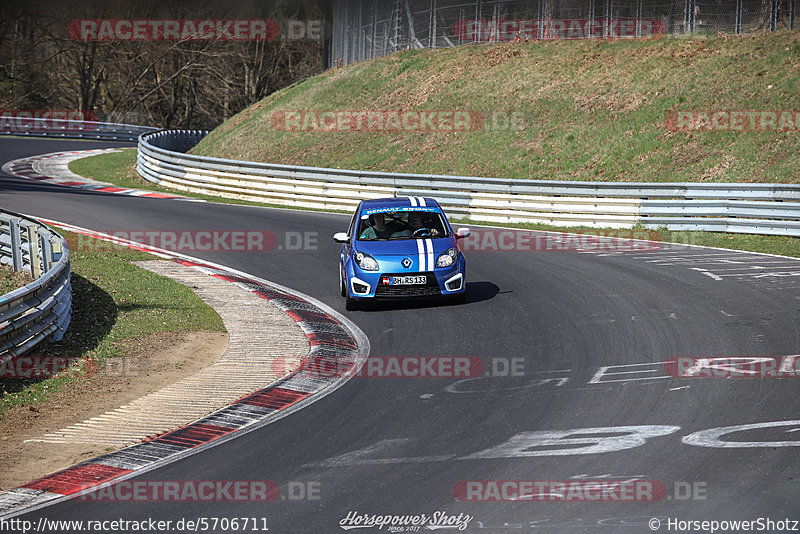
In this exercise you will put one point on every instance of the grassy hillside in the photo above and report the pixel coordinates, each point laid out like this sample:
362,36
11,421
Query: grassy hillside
592,110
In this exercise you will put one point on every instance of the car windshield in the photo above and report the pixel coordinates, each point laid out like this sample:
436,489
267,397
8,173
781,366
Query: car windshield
396,225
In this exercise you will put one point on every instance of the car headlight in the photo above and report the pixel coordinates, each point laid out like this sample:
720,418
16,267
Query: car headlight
446,258
365,261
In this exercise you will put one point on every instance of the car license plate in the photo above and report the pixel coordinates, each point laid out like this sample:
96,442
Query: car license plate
408,280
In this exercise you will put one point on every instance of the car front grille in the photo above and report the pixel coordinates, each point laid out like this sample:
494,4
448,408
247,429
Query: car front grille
430,288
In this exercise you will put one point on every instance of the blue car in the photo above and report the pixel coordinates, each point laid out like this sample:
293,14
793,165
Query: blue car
400,247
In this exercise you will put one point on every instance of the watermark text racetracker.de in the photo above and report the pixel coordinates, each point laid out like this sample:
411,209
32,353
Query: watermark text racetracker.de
498,240
723,120
489,30
194,29
578,489
36,367
198,240
398,121
439,520
734,367
202,491
214,525
413,367
44,120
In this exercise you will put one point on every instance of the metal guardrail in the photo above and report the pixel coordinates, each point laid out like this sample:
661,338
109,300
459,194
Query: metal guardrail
78,129
42,308
752,208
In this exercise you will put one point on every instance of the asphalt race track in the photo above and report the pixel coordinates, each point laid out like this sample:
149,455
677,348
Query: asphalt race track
399,446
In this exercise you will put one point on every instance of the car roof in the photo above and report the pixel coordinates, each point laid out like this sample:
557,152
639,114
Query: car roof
400,202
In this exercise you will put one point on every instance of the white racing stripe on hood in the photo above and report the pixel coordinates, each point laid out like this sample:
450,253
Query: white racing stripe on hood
421,255
429,246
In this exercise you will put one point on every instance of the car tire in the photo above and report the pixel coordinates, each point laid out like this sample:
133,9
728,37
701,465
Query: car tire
351,304
460,299
342,288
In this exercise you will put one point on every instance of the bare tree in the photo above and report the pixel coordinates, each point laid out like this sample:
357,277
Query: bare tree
186,83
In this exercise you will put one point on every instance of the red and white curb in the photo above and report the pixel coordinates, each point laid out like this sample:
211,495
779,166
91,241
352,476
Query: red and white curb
336,344
45,168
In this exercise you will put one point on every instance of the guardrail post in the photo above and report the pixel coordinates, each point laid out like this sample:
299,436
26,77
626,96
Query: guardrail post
57,248
737,26
638,18
541,21
34,251
688,16
773,15
47,251
16,246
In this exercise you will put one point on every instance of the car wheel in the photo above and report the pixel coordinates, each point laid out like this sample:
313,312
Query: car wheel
342,287
350,304
460,299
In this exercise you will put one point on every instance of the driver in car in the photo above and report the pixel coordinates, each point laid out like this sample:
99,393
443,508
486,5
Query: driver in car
377,228
415,224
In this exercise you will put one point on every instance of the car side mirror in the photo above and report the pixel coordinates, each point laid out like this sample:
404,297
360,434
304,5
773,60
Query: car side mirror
462,233
341,237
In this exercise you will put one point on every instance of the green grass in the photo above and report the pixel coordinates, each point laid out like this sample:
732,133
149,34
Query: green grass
593,110
9,280
119,168
773,244
116,305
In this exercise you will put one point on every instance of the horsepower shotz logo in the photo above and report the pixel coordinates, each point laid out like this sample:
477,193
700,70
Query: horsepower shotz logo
439,520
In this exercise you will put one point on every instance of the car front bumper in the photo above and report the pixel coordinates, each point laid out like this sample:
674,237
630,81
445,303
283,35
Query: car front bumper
441,282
